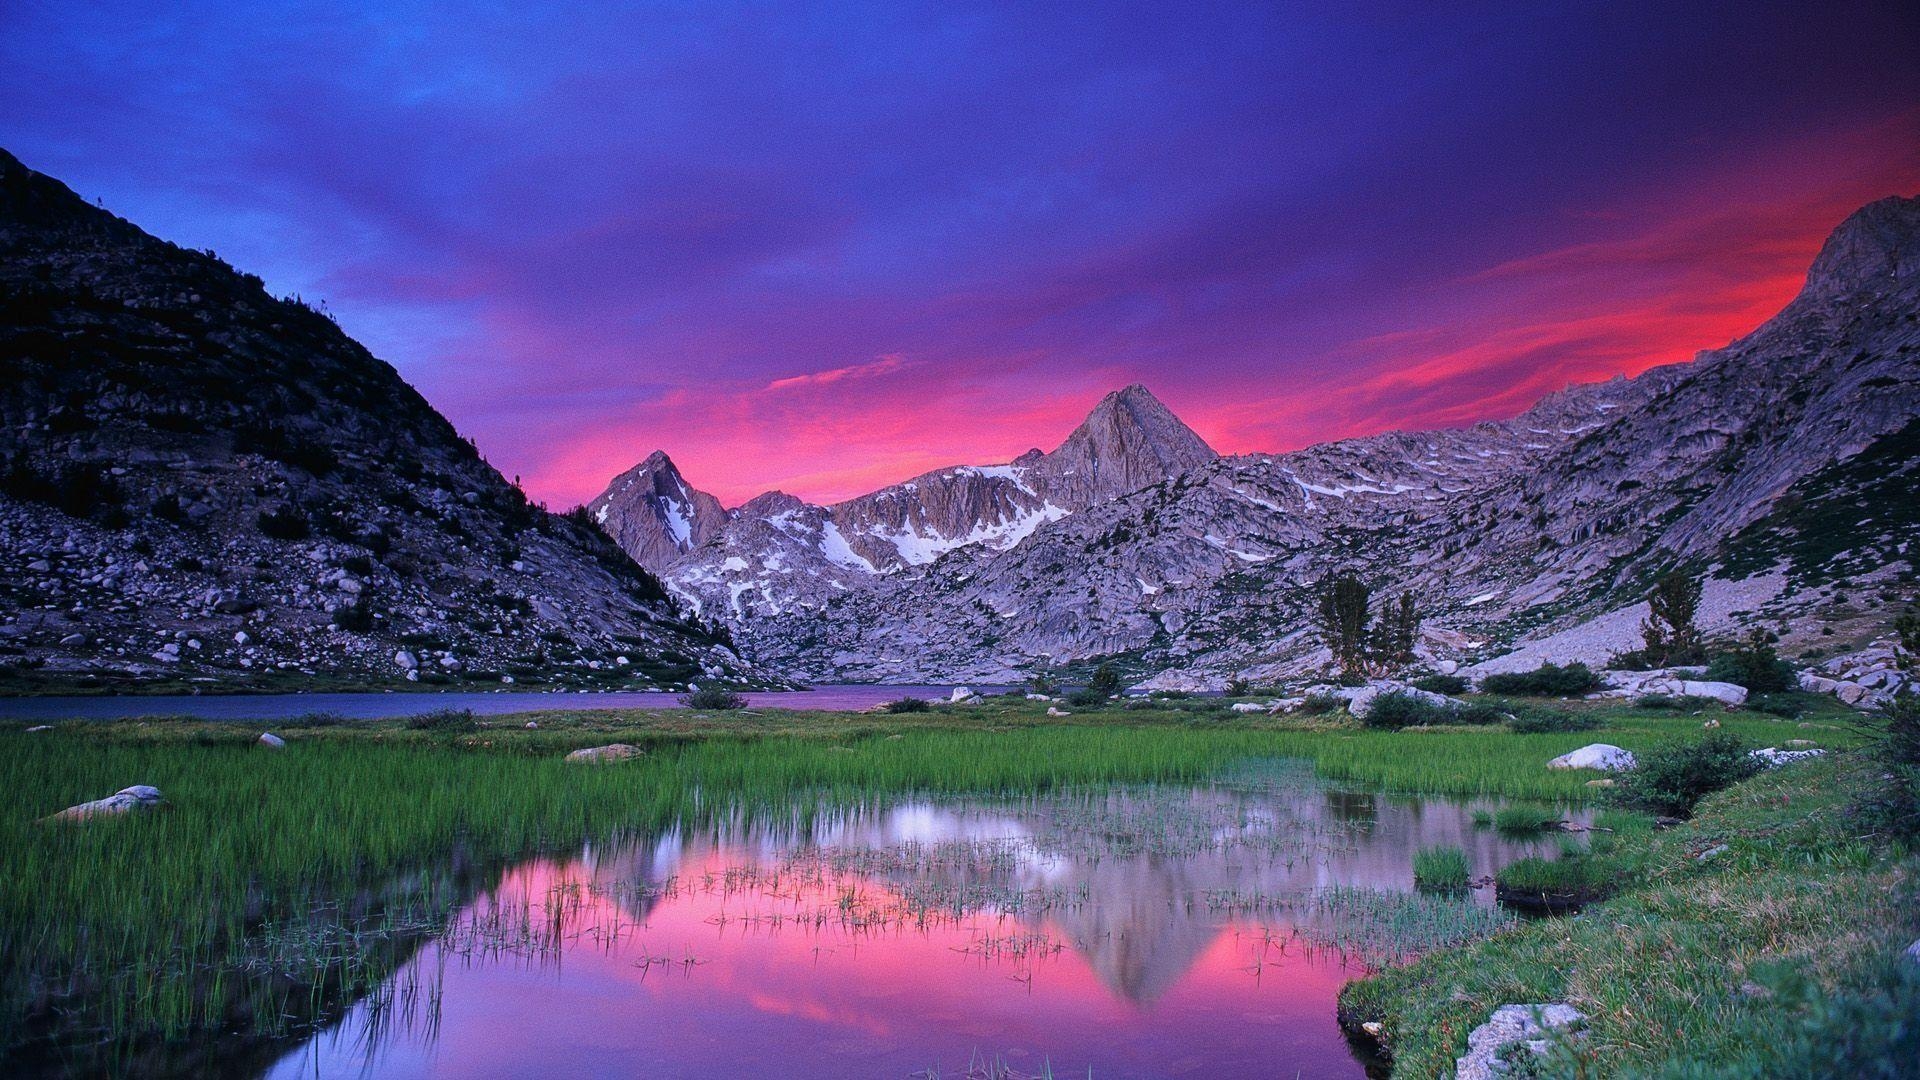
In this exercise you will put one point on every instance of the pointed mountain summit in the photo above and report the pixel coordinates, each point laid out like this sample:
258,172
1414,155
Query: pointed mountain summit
1876,249
1129,441
654,514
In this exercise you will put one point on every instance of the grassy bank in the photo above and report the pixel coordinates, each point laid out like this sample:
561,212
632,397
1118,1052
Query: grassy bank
1761,939
280,884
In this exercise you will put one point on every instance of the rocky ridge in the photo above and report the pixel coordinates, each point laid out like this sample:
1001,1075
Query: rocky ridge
201,482
1782,467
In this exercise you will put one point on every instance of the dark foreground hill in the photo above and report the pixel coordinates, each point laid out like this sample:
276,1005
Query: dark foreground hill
201,481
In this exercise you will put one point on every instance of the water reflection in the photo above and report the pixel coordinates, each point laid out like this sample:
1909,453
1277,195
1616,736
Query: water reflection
1166,931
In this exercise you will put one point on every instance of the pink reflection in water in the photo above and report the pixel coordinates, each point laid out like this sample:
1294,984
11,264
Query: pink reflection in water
703,982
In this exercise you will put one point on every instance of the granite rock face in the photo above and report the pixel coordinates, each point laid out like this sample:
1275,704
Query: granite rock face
202,481
1776,466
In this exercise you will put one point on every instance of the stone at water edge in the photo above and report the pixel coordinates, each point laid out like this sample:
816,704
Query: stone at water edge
962,693
270,741
604,755
1511,1024
126,800
1604,756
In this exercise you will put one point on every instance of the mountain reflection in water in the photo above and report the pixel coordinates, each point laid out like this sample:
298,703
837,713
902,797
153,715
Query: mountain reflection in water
1164,931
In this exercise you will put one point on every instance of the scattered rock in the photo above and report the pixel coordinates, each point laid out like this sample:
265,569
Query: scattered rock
1248,707
126,800
39,727
270,741
533,725
1038,697
406,660
1717,849
1360,702
1512,1024
604,755
1603,756
1053,711
1772,756
962,694
72,640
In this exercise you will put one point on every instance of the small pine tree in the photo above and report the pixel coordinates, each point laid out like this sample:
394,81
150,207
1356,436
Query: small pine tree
1344,616
1397,631
1105,682
1668,630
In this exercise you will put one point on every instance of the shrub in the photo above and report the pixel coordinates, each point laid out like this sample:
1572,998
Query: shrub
356,617
1396,710
1753,664
713,697
1441,684
1442,869
1671,779
1479,713
443,720
908,705
1547,680
285,523
1542,721
1320,704
1237,687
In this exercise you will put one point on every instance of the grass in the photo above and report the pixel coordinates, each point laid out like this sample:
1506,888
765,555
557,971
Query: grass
1772,957
1525,819
281,884
1442,869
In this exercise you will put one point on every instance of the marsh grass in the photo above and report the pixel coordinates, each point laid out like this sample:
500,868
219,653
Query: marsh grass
279,885
1442,869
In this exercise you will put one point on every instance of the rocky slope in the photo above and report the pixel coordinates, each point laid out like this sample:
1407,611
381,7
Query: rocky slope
200,481
778,557
1783,466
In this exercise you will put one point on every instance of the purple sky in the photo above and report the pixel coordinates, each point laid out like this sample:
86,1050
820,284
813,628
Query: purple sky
822,251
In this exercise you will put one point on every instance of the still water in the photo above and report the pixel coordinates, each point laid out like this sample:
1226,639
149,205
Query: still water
388,706
1139,932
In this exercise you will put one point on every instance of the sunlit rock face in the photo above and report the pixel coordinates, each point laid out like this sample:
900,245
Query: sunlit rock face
778,557
203,480
1778,464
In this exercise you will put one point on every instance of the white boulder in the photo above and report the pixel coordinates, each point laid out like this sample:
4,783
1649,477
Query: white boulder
1772,756
126,800
1603,756
1053,711
1248,707
1360,702
270,741
606,755
962,693
1532,1026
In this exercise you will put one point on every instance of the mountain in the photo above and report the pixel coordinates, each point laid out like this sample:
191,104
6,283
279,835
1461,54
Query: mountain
201,481
1782,468
776,555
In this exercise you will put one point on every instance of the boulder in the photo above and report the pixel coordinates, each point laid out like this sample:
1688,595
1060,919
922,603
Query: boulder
962,694
124,801
1052,711
1817,684
606,755
406,660
1532,1026
1360,702
1038,697
1771,756
1446,667
1850,692
1724,692
39,727
1248,707
270,741
1603,756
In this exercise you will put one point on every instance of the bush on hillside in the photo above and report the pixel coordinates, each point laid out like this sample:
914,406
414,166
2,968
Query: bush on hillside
713,697
1671,779
1753,664
1396,710
908,705
1543,721
1547,680
1441,684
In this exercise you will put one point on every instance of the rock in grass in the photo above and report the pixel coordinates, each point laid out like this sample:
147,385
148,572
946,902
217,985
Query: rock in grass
1772,756
1531,1026
39,727
1248,707
124,801
1053,711
270,741
962,694
1603,756
1360,701
606,755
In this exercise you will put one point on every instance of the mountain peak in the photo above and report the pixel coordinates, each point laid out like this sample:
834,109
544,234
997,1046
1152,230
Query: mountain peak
654,514
1876,248
1130,440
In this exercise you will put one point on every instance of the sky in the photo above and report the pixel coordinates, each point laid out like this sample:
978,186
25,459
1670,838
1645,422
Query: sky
824,247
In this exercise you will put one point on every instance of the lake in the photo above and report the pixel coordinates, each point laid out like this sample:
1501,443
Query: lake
370,706
1143,931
